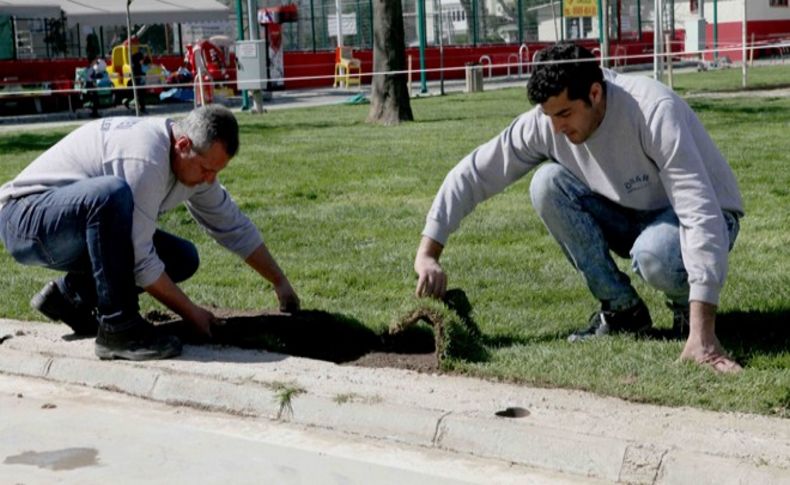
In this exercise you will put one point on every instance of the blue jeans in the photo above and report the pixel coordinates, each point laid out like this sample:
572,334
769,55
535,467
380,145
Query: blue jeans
85,229
589,227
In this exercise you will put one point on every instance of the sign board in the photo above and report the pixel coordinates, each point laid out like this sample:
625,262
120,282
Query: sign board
247,50
193,32
349,24
580,8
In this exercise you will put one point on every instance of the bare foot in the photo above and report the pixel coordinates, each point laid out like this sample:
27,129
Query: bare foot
710,356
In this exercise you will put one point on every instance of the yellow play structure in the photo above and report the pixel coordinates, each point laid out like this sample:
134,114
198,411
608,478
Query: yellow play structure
120,71
348,69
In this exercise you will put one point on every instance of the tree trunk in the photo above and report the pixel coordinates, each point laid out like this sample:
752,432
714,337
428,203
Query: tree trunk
390,95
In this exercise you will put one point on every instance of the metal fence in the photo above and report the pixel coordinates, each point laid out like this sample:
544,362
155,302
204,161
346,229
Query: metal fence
462,22
449,22
452,22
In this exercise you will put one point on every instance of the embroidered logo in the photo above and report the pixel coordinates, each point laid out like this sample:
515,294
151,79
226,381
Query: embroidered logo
636,183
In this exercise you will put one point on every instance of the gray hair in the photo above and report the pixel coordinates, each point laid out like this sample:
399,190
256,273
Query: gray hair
207,125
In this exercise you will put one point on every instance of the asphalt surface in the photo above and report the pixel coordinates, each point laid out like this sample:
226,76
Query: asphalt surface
60,433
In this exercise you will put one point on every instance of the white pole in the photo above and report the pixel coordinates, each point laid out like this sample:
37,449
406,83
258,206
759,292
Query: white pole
554,17
658,34
743,48
129,52
440,8
201,90
252,19
339,13
605,35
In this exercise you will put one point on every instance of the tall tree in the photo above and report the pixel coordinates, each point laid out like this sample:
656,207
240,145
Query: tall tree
390,102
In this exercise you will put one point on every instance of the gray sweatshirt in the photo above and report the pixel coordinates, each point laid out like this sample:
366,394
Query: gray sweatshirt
138,151
650,152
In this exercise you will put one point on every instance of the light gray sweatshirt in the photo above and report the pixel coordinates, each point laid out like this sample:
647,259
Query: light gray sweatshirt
649,152
138,151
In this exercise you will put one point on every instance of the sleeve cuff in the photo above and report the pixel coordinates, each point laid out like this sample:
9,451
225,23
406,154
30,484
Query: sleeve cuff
706,294
149,277
245,251
434,230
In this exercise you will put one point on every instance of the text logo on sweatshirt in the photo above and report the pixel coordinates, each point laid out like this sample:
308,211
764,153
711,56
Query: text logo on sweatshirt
636,183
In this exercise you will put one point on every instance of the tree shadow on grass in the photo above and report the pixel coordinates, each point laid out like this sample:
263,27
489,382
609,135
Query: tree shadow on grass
778,112
752,334
255,128
745,335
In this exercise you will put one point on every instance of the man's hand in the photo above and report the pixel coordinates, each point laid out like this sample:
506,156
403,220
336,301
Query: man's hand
431,278
289,300
201,320
164,290
702,345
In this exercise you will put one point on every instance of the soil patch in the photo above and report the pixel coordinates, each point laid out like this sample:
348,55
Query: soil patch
425,363
423,334
313,334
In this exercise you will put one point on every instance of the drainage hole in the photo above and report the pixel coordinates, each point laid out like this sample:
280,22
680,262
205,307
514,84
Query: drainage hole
513,412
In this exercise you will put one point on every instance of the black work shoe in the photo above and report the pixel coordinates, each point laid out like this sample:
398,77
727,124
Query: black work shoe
680,321
141,342
56,306
633,320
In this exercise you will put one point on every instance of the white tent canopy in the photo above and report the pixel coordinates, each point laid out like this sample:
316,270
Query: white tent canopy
30,8
113,12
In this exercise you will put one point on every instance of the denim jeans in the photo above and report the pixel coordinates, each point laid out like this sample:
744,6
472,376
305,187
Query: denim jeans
85,229
589,227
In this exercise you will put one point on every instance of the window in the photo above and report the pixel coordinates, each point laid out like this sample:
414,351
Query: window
778,3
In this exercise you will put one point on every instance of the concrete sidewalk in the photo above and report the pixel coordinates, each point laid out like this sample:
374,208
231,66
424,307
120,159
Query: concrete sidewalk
559,431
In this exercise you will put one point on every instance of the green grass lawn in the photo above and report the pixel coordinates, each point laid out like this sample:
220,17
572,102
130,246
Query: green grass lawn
341,205
731,79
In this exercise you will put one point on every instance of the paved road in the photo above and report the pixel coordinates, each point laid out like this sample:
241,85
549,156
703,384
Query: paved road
55,433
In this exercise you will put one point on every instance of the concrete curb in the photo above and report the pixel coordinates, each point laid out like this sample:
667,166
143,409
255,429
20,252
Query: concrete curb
600,438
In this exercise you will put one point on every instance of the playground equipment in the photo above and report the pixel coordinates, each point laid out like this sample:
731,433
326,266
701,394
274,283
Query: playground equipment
214,58
348,69
212,63
120,71
94,85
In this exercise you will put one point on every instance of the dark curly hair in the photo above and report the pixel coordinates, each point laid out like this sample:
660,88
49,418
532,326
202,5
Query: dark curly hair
552,78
